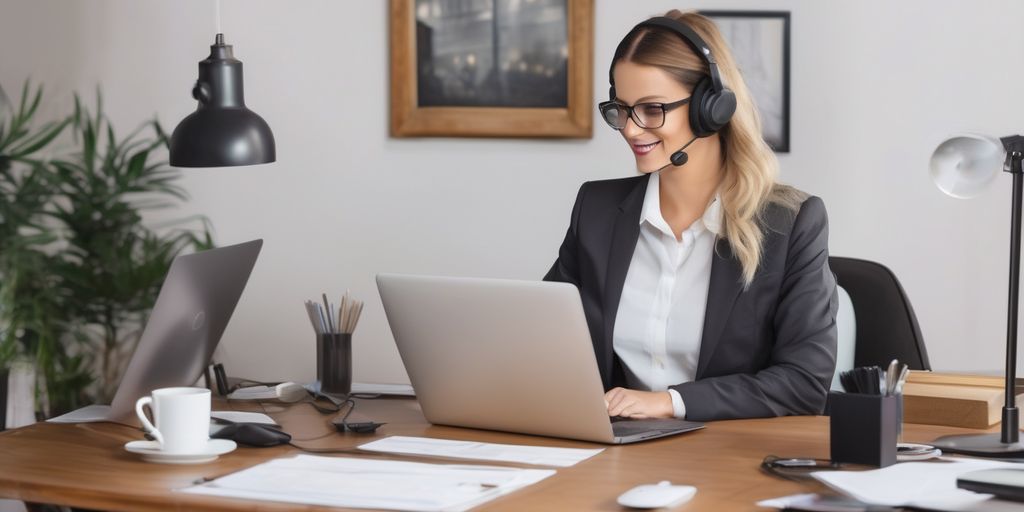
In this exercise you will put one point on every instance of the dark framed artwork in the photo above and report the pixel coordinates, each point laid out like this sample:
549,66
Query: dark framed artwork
492,68
760,43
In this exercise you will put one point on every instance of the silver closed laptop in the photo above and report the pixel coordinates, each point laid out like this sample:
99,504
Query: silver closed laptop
191,312
505,355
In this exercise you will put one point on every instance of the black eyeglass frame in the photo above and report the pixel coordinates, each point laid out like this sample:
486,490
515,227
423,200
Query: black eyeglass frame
631,111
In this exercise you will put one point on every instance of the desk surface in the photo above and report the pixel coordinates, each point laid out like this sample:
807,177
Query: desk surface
86,465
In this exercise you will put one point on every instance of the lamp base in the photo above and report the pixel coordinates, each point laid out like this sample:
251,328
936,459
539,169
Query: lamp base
979,445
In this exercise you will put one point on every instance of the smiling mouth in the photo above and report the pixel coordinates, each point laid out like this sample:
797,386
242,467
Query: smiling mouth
643,149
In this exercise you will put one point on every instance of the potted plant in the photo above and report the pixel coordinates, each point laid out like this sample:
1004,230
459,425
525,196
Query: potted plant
86,268
113,264
27,303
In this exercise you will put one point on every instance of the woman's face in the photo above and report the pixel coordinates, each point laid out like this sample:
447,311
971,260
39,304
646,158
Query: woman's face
652,147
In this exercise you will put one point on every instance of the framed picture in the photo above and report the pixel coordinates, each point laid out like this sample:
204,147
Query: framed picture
760,42
492,68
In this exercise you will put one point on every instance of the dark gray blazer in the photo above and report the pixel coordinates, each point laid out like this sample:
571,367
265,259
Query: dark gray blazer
769,350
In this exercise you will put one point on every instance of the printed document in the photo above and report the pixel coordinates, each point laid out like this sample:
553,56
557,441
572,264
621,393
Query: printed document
365,483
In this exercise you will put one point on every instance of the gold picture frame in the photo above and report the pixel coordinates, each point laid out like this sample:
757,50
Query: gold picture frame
574,119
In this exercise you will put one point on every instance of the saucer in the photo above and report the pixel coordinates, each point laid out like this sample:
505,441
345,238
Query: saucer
151,452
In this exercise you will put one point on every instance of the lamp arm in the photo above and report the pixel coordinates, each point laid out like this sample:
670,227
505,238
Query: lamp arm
1010,432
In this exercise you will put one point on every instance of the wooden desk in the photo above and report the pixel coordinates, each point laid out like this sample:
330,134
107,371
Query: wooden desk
87,466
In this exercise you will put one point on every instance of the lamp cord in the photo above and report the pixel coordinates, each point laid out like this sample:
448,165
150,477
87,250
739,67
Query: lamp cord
216,16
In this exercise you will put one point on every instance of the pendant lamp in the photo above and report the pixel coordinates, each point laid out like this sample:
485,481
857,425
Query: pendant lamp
222,131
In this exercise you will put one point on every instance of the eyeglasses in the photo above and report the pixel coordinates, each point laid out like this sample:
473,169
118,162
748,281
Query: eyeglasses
795,469
645,115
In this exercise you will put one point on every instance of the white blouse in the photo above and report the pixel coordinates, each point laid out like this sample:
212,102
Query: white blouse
660,318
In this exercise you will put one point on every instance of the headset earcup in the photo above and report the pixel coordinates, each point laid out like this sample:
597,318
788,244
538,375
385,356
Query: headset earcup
698,100
710,111
721,107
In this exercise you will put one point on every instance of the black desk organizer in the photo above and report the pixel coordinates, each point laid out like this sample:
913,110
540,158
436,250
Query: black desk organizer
334,363
863,428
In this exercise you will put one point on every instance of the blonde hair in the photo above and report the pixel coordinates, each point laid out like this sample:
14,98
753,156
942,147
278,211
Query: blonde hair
750,168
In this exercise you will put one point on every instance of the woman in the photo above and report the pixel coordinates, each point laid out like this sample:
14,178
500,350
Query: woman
705,283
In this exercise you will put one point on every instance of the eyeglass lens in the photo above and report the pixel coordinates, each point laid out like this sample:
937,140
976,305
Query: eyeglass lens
646,115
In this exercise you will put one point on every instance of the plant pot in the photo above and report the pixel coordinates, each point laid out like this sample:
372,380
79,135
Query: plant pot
21,389
3,399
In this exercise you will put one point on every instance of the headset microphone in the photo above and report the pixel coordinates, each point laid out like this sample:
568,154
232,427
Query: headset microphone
680,157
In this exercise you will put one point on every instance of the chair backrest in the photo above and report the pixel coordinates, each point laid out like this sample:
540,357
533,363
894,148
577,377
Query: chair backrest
886,327
846,325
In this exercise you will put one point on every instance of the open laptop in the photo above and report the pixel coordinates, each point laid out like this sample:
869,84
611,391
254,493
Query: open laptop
190,315
505,355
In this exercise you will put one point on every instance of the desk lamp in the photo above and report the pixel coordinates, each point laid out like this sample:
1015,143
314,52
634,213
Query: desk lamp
962,167
222,131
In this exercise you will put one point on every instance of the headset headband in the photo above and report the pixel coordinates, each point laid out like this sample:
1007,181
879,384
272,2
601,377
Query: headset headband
689,35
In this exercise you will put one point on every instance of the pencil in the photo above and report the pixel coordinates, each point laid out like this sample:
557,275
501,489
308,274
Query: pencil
343,313
359,311
330,322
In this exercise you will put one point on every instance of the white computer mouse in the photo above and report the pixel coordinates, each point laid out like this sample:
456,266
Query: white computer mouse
664,494
290,392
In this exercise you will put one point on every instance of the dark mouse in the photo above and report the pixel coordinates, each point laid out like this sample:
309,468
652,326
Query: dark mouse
253,434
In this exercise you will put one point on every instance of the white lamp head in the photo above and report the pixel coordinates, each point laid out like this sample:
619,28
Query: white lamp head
963,166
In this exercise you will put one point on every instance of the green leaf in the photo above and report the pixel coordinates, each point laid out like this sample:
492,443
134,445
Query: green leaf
38,141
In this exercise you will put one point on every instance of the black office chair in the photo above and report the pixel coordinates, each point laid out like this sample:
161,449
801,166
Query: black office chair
886,325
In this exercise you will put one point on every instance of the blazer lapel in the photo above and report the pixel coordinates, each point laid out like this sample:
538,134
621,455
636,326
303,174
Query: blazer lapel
724,286
624,237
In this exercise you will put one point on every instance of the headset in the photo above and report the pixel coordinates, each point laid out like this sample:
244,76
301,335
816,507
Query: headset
711,103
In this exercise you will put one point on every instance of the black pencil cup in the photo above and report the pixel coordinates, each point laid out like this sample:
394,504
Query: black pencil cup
334,363
863,428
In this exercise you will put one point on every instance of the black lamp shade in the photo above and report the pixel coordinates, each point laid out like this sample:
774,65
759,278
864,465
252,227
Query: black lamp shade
222,131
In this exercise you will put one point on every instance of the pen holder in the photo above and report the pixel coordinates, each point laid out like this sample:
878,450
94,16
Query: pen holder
334,363
863,428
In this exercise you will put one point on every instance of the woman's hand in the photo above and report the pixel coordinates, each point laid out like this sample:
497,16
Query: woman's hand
639,404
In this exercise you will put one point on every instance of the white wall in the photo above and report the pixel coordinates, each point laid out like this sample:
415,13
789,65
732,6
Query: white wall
875,86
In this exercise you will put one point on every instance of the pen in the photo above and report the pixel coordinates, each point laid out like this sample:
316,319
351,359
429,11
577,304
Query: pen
904,373
330,312
323,321
330,321
313,317
890,377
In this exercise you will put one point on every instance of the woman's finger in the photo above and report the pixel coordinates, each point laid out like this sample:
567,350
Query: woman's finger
622,405
613,398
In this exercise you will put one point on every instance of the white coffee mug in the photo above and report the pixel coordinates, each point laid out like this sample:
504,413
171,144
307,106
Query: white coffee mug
182,417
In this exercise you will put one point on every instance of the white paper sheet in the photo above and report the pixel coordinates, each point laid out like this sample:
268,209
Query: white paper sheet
920,484
540,455
814,502
365,483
